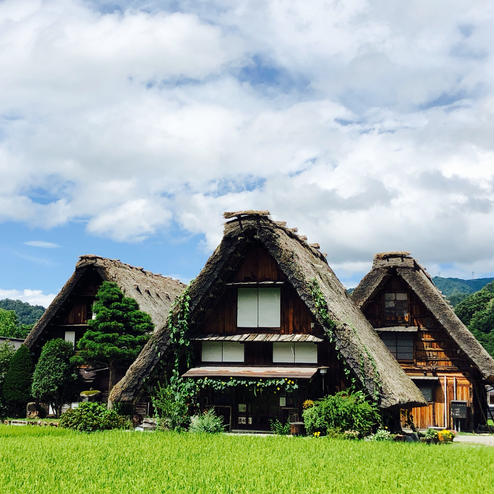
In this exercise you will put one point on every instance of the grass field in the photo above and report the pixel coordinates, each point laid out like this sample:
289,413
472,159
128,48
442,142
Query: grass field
52,461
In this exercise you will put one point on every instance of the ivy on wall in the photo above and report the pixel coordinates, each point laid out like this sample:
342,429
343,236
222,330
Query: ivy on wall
254,385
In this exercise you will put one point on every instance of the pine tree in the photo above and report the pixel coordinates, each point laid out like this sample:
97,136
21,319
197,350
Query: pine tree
17,385
118,332
54,377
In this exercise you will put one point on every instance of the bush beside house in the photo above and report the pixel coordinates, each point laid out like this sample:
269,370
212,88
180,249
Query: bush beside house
17,385
55,377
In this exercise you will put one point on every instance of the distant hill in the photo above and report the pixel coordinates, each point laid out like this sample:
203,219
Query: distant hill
27,314
457,289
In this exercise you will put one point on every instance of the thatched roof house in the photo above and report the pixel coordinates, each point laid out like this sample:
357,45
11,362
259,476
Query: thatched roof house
71,308
301,264
400,264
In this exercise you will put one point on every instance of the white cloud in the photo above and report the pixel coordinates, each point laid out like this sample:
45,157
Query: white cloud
366,124
33,297
42,244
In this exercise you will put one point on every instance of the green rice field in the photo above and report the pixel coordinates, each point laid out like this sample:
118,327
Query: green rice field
57,461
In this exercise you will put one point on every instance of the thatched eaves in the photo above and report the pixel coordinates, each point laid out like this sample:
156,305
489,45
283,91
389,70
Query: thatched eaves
154,293
388,264
301,263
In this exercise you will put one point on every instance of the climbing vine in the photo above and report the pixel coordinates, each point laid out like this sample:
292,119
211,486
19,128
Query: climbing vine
254,385
178,327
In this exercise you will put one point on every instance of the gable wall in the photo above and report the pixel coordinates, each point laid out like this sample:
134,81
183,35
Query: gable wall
74,312
259,266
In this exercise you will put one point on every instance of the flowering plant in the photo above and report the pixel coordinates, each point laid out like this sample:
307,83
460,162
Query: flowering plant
446,435
307,404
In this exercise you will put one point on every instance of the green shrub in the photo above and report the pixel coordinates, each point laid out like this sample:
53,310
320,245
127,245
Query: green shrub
171,408
206,422
341,412
17,384
55,376
431,435
91,416
381,435
279,427
6,354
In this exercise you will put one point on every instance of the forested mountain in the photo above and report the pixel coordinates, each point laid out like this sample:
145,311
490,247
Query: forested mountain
457,289
17,318
477,313
26,313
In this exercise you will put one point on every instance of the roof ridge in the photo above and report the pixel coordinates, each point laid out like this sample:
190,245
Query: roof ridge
95,258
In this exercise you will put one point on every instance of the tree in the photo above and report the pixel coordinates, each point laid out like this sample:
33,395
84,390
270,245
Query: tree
10,326
54,376
6,354
17,385
118,332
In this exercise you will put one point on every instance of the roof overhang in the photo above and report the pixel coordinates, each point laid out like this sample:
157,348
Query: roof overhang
263,372
398,329
423,378
260,337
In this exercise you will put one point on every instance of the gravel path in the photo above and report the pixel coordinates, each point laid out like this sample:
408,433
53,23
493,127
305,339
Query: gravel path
485,439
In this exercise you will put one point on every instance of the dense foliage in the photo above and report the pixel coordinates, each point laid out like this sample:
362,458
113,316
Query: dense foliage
92,416
341,412
118,332
55,376
477,313
207,422
26,313
17,384
280,428
49,460
171,405
6,353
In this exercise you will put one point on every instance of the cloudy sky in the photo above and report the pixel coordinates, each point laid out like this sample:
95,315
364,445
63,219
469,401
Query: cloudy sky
127,128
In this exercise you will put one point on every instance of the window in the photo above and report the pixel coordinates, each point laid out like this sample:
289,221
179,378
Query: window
491,397
396,305
222,351
70,337
427,389
295,353
399,344
259,307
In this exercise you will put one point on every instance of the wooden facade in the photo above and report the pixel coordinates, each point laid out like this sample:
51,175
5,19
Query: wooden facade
437,366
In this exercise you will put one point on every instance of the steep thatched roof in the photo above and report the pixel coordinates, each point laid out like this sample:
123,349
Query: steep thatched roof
154,293
386,265
301,263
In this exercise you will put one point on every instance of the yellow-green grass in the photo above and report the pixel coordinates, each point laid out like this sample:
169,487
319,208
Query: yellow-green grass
48,460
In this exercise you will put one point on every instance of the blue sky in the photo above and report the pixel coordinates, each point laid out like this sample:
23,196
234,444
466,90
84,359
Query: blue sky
127,128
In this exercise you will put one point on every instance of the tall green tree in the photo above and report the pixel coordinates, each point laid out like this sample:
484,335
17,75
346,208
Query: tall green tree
117,333
6,354
55,376
17,385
